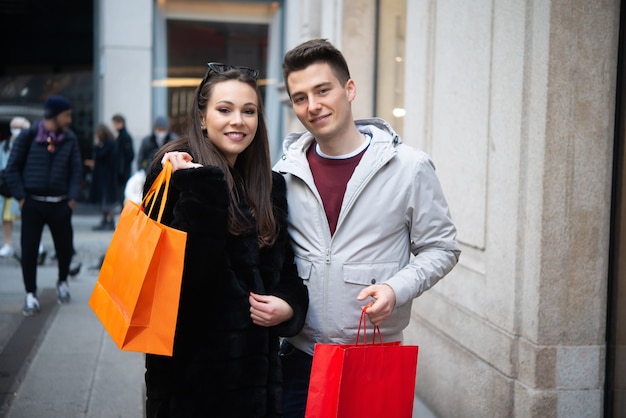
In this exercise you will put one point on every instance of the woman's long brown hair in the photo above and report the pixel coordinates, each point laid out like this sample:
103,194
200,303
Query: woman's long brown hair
253,165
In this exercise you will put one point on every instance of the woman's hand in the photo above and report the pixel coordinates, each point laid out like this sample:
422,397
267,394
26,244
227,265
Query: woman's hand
179,160
267,310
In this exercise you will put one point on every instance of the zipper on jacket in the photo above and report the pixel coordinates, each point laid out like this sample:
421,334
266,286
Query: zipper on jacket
364,183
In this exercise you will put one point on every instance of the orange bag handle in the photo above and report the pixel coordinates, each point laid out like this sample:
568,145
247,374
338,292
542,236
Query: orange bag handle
363,321
164,177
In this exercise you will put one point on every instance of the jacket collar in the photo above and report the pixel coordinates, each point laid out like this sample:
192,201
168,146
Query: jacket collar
378,128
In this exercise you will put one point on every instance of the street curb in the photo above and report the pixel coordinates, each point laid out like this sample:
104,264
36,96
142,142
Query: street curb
17,354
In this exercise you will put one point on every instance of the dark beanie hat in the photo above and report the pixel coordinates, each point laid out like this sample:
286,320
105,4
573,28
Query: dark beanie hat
55,105
161,122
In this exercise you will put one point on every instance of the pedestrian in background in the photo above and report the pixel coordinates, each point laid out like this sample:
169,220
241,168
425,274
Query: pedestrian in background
104,190
126,153
369,223
44,174
9,207
150,144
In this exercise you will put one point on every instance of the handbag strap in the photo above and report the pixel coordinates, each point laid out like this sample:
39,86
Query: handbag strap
363,321
163,178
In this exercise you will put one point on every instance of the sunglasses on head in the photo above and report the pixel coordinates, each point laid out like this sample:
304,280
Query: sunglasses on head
219,68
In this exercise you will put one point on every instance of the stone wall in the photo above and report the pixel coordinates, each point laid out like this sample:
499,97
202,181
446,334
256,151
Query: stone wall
123,64
515,102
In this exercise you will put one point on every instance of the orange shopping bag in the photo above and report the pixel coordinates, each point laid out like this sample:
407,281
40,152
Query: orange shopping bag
137,292
362,380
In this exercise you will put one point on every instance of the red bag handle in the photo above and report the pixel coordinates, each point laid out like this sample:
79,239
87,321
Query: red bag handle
163,178
363,321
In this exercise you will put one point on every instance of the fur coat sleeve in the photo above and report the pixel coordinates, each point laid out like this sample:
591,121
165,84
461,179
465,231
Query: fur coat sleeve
288,286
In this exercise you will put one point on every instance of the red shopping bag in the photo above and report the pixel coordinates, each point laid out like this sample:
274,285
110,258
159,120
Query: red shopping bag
137,292
362,380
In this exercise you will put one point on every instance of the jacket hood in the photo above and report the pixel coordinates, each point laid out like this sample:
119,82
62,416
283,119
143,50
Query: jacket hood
302,140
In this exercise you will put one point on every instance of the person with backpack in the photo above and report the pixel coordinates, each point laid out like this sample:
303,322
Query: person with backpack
44,173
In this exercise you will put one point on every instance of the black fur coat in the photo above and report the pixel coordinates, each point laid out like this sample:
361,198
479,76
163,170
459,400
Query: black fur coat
223,365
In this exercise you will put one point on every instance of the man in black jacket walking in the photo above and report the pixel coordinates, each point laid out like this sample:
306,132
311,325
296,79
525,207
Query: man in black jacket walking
44,173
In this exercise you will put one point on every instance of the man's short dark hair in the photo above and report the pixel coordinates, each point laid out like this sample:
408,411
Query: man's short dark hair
118,118
311,52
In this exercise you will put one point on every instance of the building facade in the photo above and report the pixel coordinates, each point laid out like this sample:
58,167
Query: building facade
516,103
519,103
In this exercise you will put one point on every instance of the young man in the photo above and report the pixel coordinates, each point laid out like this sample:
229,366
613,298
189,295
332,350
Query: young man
44,174
360,204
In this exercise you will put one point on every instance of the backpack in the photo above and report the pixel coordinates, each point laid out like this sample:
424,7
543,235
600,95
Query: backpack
4,186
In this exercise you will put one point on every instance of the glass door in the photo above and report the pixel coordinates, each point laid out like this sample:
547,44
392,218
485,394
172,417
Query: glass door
188,34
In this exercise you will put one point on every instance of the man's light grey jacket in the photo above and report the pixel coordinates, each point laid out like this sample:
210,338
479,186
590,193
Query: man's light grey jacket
394,228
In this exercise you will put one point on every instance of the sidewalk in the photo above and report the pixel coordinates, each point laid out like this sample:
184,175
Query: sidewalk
74,368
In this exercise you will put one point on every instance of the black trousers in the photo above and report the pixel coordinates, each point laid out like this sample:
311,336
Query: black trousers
296,366
58,217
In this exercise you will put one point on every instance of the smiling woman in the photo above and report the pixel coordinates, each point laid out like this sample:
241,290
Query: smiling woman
234,210
231,118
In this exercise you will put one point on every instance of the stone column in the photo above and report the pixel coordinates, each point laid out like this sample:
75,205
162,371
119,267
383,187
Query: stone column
124,64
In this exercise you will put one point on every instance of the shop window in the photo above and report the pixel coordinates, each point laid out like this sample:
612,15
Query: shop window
391,57
191,44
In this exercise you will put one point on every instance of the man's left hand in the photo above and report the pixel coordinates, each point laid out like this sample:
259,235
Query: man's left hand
381,307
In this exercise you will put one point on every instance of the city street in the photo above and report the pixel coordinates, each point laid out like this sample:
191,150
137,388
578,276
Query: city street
62,363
